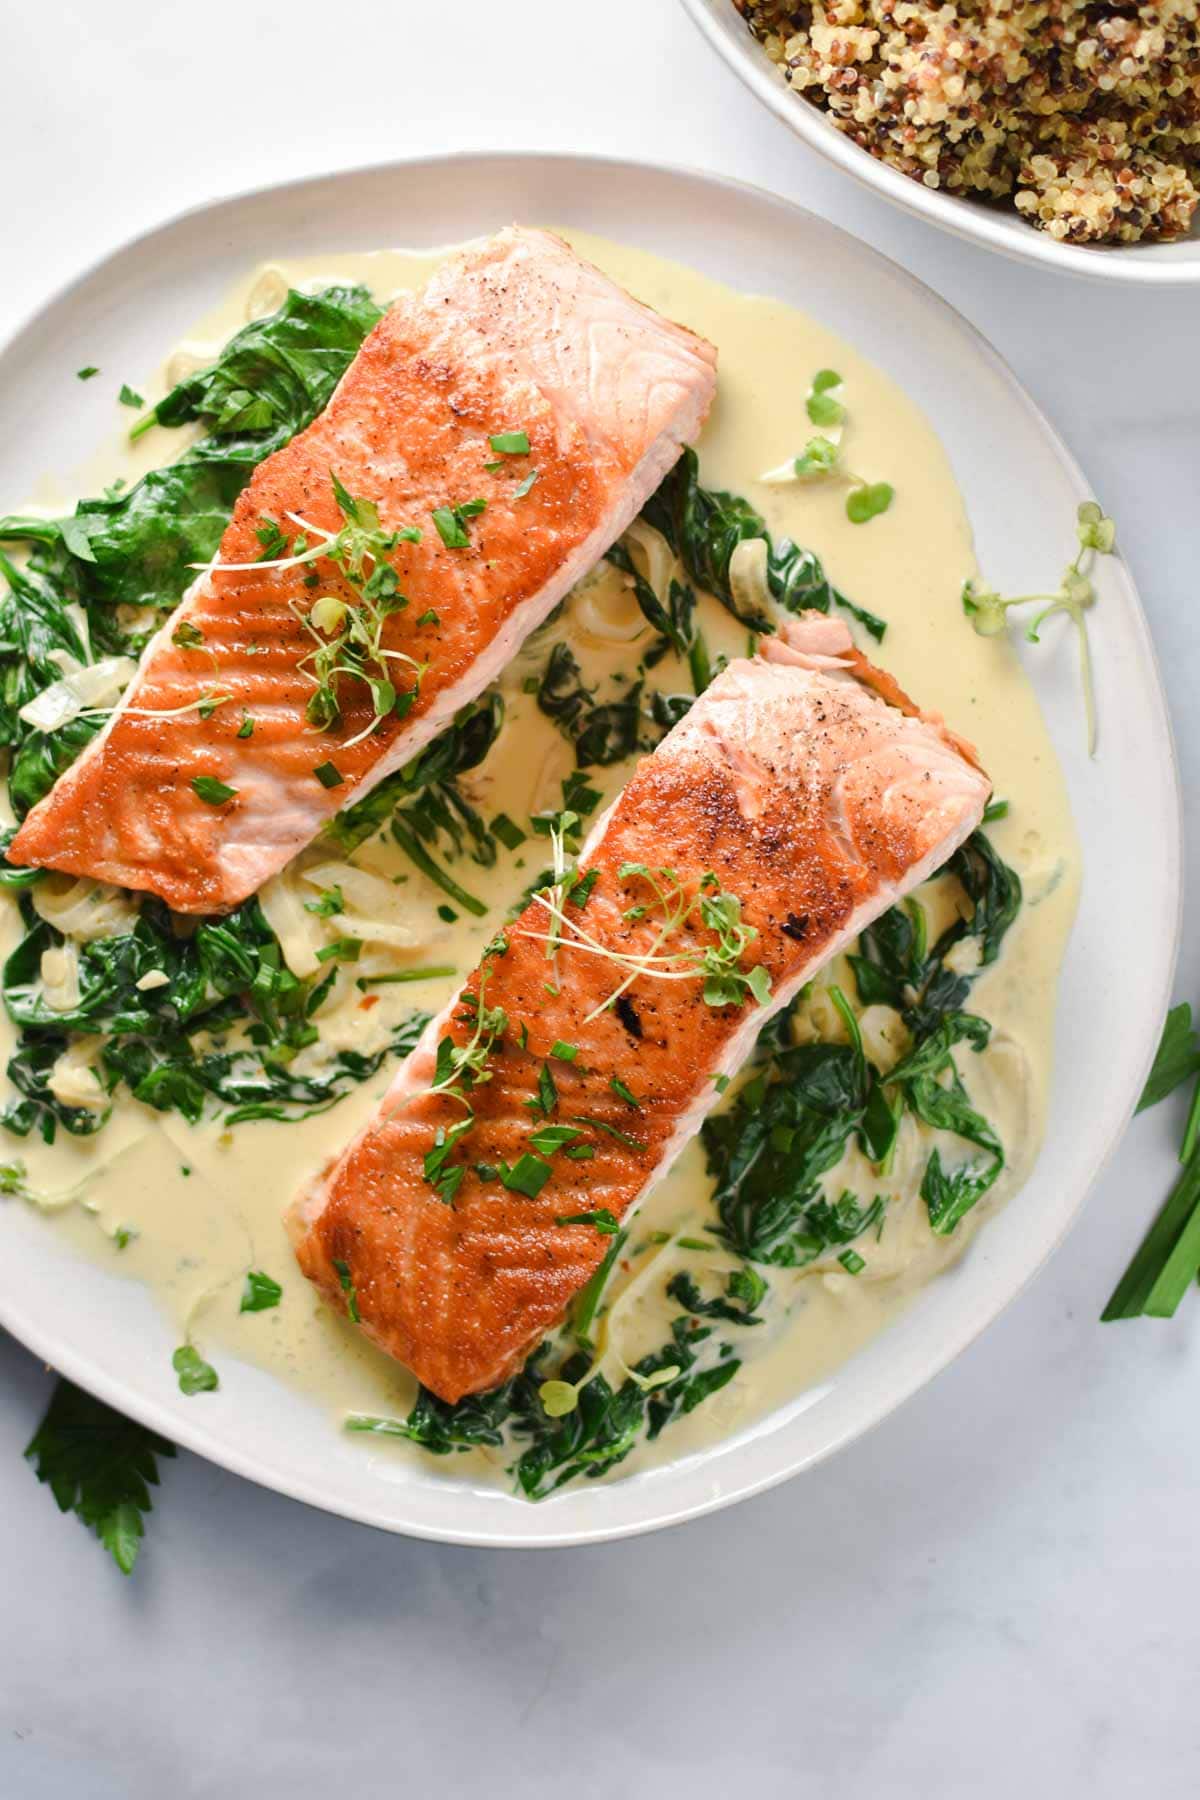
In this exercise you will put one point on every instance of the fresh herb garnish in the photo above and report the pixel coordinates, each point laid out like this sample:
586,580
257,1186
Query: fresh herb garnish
128,397
260,1293
195,1375
329,775
988,612
211,790
510,443
346,1283
451,522
100,1466
605,1222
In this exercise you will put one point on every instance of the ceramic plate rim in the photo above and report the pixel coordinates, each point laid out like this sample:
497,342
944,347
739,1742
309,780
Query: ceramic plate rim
1142,265
75,1360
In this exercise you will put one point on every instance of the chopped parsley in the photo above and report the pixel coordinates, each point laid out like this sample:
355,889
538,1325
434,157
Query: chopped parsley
212,791
260,1293
345,1281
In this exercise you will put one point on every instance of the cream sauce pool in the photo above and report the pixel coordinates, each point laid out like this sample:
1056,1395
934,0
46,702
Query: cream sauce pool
204,1204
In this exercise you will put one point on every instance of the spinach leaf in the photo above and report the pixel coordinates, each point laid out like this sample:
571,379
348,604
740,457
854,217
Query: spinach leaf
768,1151
228,973
433,775
136,547
611,731
277,373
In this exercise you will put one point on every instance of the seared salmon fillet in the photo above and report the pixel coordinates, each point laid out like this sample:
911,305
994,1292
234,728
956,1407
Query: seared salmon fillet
803,785
514,339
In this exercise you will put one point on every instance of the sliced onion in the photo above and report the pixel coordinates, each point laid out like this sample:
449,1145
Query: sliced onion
99,684
84,909
748,575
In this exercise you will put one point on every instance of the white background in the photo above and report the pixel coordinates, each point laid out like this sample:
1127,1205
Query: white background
996,1592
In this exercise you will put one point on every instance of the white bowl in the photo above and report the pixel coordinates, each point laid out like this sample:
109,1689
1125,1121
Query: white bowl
107,1334
1000,229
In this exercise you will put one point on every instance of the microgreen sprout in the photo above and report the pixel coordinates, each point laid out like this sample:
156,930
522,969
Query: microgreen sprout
673,908
347,632
821,457
988,611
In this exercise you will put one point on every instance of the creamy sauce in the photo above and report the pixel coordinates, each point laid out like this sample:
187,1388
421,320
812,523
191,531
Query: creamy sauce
205,1204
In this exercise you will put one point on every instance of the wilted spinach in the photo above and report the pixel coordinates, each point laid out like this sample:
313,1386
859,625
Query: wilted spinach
227,974
598,1434
794,1122
137,547
704,527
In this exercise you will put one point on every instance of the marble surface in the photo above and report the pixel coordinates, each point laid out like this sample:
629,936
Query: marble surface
996,1590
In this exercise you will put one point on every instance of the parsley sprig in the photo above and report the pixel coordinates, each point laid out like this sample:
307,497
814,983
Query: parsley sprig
100,1466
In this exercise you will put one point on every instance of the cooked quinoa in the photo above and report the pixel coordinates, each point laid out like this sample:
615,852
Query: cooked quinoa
1085,116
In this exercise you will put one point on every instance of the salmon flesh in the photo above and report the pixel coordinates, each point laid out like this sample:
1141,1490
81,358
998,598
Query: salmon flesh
516,338
803,784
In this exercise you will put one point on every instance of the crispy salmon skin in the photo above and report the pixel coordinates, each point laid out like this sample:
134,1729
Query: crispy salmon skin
515,338
802,794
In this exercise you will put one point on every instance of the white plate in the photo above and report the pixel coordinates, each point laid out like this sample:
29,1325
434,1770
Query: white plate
107,1334
997,227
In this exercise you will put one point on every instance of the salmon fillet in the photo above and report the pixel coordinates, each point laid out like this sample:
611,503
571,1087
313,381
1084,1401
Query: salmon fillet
516,334
805,784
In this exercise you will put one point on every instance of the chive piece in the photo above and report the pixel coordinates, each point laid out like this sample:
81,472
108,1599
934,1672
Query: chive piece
852,1262
493,468
246,728
417,854
187,636
564,1052
623,1093
86,374
995,809
523,487
433,972
622,1137
720,1082
429,617
510,443
212,791
691,1243
604,1221
528,1175
341,950
1133,1291
579,1152
128,397
447,913
348,1288
509,834
329,775
549,1138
